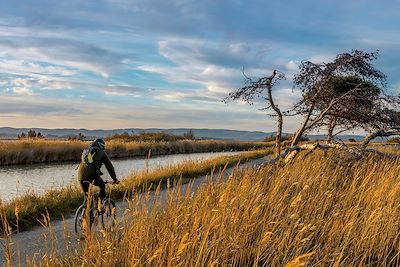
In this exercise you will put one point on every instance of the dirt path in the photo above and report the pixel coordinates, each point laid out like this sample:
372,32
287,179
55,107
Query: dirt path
60,237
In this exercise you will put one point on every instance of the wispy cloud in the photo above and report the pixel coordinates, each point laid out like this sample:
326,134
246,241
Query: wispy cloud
122,90
61,52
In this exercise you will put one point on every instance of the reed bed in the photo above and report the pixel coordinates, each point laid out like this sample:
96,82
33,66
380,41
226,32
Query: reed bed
44,151
26,211
319,211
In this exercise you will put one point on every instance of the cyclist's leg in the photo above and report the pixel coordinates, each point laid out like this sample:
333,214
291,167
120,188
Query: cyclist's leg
85,187
100,183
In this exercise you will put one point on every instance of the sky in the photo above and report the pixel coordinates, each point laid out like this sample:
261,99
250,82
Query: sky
105,64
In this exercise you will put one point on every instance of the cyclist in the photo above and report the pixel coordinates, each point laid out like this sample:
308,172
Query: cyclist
89,171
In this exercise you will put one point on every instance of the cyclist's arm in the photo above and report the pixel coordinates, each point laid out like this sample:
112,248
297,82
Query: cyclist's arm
109,166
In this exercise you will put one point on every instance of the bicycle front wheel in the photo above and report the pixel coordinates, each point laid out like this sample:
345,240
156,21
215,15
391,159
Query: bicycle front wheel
108,217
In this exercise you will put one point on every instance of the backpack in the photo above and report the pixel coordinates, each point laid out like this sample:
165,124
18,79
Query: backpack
88,154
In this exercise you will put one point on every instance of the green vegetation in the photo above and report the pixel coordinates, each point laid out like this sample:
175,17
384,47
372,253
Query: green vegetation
319,211
78,137
24,212
151,137
31,135
42,151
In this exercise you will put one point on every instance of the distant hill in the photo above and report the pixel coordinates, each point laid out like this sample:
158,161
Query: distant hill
8,132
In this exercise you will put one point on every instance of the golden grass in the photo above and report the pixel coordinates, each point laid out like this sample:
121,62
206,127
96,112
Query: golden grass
26,211
319,211
41,151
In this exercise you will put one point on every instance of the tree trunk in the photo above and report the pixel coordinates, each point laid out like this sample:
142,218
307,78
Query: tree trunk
331,127
369,138
279,135
278,138
296,139
297,136
378,133
299,133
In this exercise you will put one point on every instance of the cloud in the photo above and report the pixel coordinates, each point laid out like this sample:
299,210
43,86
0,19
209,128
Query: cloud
227,54
122,90
292,65
46,83
22,85
62,52
22,90
29,106
215,68
31,68
199,96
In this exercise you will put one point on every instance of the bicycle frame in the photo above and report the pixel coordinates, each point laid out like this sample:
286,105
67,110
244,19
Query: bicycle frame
89,214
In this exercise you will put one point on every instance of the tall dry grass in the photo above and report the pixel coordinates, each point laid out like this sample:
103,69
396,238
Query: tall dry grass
320,211
26,211
43,151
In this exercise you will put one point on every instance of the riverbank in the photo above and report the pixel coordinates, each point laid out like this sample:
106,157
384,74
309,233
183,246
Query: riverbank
24,212
14,152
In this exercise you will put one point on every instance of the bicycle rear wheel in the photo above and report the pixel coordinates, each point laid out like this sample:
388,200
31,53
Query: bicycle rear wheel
108,217
81,222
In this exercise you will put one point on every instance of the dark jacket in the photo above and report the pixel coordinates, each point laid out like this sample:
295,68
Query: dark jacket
90,172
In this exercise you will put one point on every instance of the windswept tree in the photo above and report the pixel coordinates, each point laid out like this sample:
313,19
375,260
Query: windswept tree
345,94
354,111
262,87
338,93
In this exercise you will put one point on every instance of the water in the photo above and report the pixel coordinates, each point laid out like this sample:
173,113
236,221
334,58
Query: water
39,178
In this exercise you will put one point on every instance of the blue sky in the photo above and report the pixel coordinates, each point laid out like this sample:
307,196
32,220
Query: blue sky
151,63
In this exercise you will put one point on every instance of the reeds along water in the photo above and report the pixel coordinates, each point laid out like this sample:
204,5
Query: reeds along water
41,151
321,211
57,202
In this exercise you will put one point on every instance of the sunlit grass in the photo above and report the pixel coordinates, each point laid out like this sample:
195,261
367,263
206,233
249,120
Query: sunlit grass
320,211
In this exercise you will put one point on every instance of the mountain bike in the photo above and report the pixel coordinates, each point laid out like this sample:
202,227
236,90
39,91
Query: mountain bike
85,219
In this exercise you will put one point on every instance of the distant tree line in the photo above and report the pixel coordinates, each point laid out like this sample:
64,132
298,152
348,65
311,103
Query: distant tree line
152,137
30,135
78,137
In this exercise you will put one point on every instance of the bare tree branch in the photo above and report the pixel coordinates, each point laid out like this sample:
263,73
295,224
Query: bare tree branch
378,133
255,89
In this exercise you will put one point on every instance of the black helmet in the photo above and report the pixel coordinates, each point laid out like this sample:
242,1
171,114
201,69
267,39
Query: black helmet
100,143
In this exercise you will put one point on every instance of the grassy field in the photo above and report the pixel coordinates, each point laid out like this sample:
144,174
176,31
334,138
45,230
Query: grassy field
319,211
26,211
41,151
